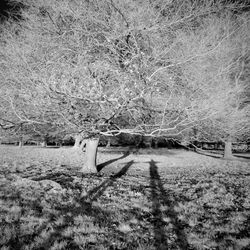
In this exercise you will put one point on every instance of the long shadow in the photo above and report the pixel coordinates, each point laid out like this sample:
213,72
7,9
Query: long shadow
220,156
243,156
217,156
96,192
159,232
106,163
86,208
159,197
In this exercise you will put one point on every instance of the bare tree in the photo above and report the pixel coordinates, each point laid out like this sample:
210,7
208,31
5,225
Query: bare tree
106,67
225,72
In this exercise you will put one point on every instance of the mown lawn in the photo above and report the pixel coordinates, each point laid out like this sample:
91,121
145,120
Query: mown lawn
172,200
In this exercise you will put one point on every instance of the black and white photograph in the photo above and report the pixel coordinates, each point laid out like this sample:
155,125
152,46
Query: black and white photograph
124,125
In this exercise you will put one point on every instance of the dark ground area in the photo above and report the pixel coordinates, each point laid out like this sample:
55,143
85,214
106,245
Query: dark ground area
166,200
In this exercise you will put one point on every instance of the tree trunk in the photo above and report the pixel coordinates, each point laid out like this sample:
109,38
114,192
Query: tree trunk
77,141
108,143
20,143
150,142
91,152
228,150
155,143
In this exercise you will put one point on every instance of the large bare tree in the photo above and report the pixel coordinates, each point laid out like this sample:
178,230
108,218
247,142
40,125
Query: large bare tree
157,68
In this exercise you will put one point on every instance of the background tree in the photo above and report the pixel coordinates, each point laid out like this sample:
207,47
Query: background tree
228,68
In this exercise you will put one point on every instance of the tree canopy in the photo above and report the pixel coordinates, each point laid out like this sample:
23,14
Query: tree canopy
143,67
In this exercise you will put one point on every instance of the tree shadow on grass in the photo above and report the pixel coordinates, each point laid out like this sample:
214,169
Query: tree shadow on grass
213,155
98,191
220,156
104,164
85,207
160,197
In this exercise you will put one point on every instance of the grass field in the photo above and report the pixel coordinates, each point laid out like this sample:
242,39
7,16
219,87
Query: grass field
172,199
